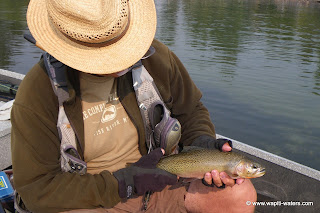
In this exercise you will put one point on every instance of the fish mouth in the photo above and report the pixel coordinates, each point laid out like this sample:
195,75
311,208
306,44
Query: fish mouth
261,172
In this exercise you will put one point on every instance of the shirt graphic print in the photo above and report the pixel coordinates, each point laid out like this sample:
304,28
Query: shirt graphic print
111,140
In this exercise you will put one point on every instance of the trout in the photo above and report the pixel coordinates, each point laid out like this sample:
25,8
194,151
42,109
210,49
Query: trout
195,162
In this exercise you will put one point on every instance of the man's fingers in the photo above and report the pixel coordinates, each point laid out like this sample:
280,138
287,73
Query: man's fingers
208,178
216,178
226,179
221,178
226,147
162,150
239,181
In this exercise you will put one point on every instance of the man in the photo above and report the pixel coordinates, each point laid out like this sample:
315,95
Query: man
99,41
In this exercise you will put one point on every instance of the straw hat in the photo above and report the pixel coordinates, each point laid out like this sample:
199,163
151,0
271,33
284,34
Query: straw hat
93,36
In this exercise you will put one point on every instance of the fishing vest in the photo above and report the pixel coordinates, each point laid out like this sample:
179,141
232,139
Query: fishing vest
161,129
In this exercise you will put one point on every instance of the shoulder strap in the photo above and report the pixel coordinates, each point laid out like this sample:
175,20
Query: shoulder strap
161,129
70,158
57,74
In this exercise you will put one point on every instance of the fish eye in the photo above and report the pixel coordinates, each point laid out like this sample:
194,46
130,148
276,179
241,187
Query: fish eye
254,167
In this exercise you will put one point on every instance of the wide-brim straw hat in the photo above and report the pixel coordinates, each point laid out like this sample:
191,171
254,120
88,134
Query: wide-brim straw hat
93,36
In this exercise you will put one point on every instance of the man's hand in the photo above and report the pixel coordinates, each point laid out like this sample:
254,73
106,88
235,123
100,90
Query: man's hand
221,178
143,176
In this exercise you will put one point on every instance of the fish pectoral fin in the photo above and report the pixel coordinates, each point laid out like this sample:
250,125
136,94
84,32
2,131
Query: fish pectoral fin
187,180
234,176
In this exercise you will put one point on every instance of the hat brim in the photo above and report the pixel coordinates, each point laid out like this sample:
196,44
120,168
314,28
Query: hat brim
106,59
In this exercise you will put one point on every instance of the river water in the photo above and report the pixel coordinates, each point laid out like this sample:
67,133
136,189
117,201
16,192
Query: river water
256,62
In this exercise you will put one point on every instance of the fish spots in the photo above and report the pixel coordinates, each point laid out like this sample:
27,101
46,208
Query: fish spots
194,161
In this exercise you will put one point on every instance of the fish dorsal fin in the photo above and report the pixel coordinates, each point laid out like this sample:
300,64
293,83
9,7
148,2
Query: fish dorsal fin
191,148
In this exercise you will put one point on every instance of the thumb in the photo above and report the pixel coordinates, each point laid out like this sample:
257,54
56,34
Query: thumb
155,155
226,147
150,160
